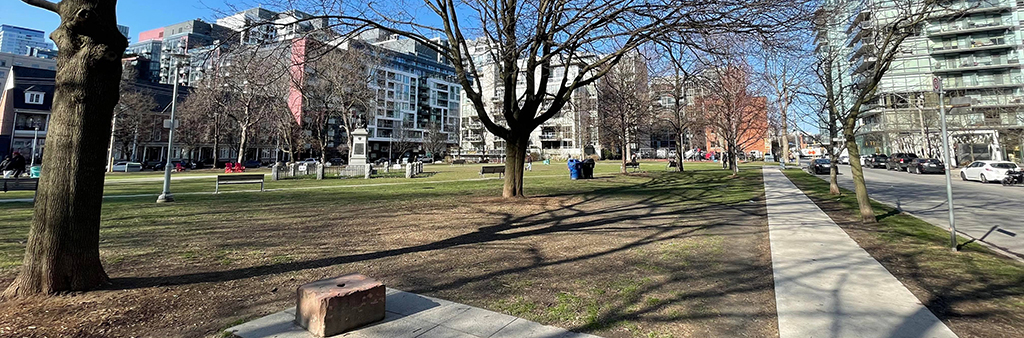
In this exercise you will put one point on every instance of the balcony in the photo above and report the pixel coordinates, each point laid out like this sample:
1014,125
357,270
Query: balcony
993,82
475,125
968,66
864,64
549,136
974,7
967,28
976,46
866,28
862,48
473,138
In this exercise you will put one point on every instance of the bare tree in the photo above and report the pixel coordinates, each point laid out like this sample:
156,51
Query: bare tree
733,110
132,114
335,90
435,141
885,34
625,104
63,242
401,141
783,72
581,39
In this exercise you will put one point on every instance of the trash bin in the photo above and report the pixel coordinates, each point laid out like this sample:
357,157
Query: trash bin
34,171
574,168
547,162
588,168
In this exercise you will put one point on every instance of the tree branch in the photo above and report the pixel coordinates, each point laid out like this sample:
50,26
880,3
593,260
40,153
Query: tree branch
44,4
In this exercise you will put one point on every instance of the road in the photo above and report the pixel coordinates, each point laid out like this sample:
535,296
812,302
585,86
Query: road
978,207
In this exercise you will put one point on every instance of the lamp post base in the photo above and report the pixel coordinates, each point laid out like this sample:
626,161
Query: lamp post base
165,197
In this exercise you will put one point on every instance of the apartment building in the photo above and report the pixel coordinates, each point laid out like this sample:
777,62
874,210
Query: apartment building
973,48
18,40
572,132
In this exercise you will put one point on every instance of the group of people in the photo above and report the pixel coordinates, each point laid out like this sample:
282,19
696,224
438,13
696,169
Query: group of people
13,165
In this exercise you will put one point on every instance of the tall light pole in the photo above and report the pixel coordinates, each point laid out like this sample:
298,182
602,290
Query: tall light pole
166,195
937,86
35,139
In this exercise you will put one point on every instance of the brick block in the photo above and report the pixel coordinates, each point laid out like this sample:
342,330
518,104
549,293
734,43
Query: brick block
332,306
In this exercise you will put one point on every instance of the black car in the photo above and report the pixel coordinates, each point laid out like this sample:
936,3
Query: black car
900,161
821,166
251,164
926,166
876,161
336,161
185,164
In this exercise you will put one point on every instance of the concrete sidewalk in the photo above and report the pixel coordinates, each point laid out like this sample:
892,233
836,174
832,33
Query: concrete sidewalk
409,315
828,286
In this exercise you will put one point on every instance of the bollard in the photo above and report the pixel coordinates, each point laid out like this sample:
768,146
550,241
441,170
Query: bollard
274,174
319,171
368,169
408,170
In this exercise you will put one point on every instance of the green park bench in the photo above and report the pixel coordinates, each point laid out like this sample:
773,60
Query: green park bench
19,184
493,169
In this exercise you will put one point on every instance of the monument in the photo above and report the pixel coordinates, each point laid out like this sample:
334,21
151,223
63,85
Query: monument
357,157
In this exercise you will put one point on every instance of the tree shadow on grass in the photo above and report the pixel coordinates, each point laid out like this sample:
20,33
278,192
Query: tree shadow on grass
653,194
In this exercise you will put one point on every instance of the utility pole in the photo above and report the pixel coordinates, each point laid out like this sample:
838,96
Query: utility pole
937,86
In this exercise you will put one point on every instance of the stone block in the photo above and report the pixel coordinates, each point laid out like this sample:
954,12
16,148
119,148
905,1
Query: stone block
332,306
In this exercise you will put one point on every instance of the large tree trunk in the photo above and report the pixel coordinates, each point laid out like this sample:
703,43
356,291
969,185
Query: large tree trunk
867,213
833,173
63,242
624,161
515,160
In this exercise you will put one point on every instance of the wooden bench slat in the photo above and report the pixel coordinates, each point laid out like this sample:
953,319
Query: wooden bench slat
19,184
494,169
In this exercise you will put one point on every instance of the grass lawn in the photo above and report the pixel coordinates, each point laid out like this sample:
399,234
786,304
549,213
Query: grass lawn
977,292
652,254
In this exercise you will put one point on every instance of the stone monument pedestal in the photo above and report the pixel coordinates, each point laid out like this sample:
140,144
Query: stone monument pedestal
357,155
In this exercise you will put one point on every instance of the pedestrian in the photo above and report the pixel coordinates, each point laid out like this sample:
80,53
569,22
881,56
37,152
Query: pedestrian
3,166
529,162
17,165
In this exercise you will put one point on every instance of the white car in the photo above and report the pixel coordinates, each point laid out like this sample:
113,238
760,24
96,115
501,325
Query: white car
844,159
987,171
127,167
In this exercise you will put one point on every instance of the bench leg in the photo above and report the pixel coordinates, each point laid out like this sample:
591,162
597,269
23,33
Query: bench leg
216,190
261,186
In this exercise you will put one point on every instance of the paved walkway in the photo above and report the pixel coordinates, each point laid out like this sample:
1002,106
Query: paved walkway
409,315
828,286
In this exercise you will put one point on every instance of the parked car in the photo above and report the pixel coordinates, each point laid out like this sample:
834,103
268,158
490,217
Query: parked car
987,171
251,164
876,161
900,161
187,164
426,159
821,166
844,159
151,165
127,167
336,161
926,166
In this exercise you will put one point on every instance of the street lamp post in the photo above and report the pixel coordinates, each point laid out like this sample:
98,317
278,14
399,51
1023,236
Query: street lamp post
35,139
166,195
937,86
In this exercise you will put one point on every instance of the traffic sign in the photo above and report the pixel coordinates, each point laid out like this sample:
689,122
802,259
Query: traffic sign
936,85
167,124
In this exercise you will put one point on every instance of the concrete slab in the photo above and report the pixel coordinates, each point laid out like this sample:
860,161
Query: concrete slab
409,315
827,285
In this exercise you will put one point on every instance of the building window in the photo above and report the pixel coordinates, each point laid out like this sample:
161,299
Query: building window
34,97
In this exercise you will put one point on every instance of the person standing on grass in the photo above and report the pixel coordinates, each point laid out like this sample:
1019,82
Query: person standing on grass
529,162
17,165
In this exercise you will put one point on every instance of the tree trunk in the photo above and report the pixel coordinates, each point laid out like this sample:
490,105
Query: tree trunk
624,148
63,242
833,173
734,164
515,152
867,213
680,152
242,139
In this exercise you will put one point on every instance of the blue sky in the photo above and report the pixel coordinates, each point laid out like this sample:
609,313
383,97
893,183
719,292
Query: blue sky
138,15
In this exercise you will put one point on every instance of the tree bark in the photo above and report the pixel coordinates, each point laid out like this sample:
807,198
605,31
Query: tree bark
63,242
242,139
833,172
867,213
680,152
515,152
624,161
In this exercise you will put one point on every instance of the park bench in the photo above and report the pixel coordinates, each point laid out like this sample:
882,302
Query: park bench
634,165
19,184
672,164
493,169
454,162
239,179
